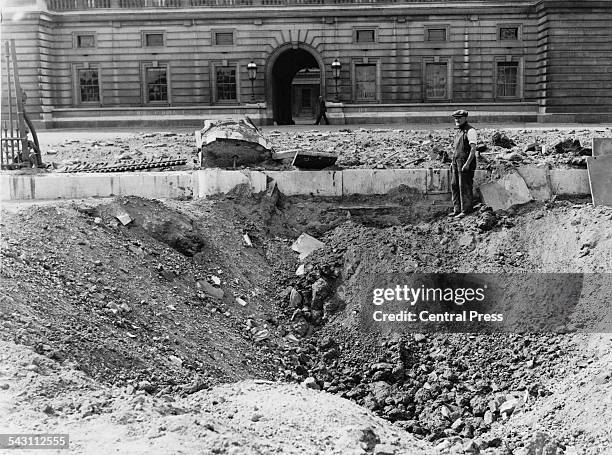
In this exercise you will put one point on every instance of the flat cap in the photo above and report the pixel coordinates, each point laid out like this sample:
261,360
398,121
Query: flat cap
460,113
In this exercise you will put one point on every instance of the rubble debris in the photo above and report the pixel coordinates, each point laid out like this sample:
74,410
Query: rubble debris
124,218
305,245
231,143
125,165
311,383
506,192
569,145
210,290
538,182
501,140
261,334
284,155
313,160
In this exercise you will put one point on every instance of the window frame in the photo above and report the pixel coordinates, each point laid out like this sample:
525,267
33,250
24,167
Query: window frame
219,30
75,39
213,82
144,34
77,68
365,61
428,27
356,31
449,78
519,33
143,83
519,74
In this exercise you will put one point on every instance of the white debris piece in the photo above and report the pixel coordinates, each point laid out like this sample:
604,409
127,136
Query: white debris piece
306,244
124,218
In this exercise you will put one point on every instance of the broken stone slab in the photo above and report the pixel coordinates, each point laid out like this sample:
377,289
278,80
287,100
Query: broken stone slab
230,142
124,218
210,290
602,146
506,192
313,160
600,179
538,182
305,245
284,155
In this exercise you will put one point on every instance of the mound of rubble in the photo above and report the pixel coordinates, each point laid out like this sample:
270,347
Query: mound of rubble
448,388
158,303
499,150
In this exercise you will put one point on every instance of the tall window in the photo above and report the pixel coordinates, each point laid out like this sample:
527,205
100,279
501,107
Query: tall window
365,82
156,84
507,80
436,81
225,83
89,85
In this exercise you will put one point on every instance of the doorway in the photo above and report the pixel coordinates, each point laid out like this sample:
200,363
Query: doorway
296,83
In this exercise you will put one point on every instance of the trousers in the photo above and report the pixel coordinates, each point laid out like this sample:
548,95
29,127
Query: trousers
462,185
323,116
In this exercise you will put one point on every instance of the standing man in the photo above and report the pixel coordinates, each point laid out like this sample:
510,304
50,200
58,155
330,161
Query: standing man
322,109
463,165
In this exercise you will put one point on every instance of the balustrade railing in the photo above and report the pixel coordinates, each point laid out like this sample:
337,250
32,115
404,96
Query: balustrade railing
71,5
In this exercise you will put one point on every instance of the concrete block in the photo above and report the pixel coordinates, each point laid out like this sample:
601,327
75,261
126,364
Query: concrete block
538,182
5,187
315,183
16,187
152,185
600,178
71,186
374,181
217,181
438,181
570,182
504,193
480,177
602,146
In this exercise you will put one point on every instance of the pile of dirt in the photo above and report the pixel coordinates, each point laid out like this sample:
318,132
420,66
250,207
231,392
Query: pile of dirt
243,418
156,303
152,303
449,387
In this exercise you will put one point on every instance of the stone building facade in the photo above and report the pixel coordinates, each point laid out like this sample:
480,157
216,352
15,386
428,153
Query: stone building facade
117,61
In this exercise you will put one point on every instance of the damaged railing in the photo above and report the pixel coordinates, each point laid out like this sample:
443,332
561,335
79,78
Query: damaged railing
16,151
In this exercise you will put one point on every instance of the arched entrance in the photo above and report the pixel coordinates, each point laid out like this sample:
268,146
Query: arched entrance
283,66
